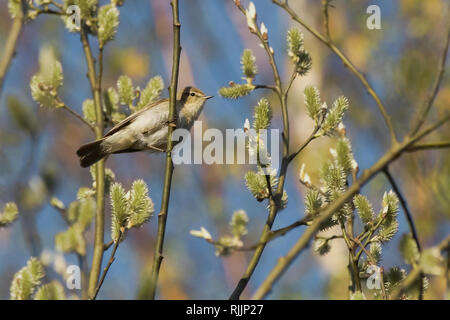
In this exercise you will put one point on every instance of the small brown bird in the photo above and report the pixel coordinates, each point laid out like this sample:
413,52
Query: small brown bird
146,129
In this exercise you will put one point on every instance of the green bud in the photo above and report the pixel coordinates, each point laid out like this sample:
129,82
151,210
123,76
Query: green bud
235,91
108,21
248,63
262,115
125,90
151,92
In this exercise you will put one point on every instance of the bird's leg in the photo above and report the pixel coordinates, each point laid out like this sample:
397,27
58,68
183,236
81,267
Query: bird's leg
173,123
155,148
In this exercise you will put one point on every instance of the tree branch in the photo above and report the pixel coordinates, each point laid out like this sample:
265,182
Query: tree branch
95,82
284,262
409,219
78,116
110,262
162,217
273,201
347,63
10,45
416,272
428,146
435,89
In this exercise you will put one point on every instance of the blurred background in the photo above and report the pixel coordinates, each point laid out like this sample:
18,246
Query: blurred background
37,146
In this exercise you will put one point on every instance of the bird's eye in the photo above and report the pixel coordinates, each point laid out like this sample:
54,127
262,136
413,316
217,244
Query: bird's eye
192,94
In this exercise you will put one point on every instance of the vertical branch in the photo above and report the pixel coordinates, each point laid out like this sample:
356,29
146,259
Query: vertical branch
10,45
162,217
410,220
110,262
435,89
275,199
326,20
95,82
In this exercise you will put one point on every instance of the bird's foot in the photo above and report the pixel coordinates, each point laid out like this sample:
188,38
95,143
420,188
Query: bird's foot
155,148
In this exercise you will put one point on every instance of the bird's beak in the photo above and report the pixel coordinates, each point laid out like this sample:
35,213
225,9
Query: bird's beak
208,97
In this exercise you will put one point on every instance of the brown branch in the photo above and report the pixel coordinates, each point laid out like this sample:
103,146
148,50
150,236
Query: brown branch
273,201
77,115
95,82
110,262
10,45
347,63
162,217
435,88
391,155
428,146
409,219
416,273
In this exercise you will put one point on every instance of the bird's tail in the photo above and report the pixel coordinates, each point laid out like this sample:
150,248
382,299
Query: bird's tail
91,152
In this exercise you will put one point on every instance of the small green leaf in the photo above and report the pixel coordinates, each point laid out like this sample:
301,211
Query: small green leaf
344,155
86,213
313,103
89,111
333,177
262,115
125,90
141,206
235,91
409,249
227,244
22,115
51,291
294,42
9,214
257,185
120,209
108,22
364,208
334,115
151,92
111,101
50,68
313,202
375,251
248,63
26,280
71,240
432,262
239,223
45,84
42,97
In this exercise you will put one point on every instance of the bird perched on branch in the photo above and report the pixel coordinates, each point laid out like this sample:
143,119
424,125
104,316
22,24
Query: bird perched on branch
146,129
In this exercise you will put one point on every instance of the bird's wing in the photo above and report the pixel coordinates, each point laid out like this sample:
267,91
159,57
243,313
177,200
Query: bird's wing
125,122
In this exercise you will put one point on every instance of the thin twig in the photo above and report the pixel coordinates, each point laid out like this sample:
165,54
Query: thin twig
162,217
435,89
264,86
10,45
273,201
95,82
428,146
416,273
108,245
391,155
110,262
326,20
311,137
78,116
409,219
284,5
